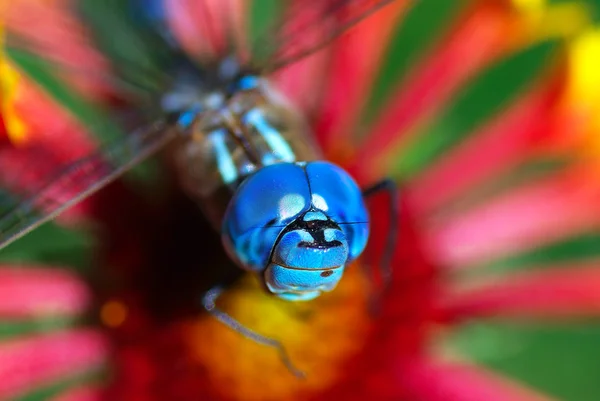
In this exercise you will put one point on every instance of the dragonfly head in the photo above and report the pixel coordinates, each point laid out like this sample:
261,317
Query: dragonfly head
297,225
308,258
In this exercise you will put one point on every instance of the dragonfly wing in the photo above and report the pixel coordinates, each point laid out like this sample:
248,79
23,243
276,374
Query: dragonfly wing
79,180
311,25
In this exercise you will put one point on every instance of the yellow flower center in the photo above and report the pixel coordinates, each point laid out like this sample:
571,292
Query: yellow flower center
583,91
14,125
319,336
543,21
584,87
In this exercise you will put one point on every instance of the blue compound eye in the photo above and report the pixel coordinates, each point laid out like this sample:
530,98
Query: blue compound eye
337,195
261,208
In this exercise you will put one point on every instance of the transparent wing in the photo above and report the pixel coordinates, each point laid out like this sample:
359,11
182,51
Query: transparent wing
77,181
78,38
309,25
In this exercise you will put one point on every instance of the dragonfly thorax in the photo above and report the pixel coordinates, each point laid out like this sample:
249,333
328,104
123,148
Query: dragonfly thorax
246,156
239,130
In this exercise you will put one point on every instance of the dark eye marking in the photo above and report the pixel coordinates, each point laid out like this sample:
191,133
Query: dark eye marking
327,273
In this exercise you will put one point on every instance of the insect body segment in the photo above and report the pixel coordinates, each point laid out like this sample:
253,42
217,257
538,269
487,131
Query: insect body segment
240,151
285,222
234,135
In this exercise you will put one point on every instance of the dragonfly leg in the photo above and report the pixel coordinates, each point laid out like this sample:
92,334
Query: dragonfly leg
385,267
209,303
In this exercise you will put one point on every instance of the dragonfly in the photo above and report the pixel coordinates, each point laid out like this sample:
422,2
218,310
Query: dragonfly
242,153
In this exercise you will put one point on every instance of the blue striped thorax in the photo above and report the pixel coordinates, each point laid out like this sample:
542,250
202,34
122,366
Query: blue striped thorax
295,223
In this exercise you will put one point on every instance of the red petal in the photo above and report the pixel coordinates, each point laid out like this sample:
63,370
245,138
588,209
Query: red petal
25,364
300,81
54,139
507,140
59,36
53,126
478,39
431,381
524,218
355,58
29,291
567,291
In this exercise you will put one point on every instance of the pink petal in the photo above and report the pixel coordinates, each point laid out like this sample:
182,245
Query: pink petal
356,56
431,381
338,77
60,37
507,140
300,81
28,363
477,40
25,169
524,218
31,291
566,291
54,139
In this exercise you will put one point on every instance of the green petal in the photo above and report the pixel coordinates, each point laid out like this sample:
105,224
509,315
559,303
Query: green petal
42,73
482,98
423,26
263,19
527,172
139,53
25,327
92,376
561,360
53,245
575,249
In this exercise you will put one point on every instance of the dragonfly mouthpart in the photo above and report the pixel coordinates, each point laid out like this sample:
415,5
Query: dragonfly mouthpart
307,261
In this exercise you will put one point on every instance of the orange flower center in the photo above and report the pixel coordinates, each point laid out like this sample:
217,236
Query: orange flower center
319,336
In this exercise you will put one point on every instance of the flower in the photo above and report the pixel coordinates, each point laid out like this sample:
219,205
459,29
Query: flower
39,348
491,140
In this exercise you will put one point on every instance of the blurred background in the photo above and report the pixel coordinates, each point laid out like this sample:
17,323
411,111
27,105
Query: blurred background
486,114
